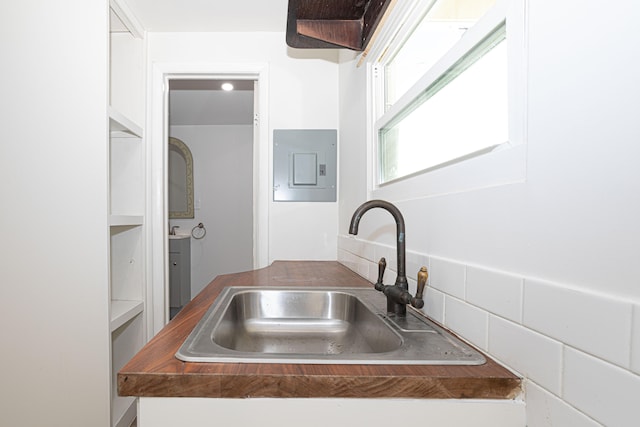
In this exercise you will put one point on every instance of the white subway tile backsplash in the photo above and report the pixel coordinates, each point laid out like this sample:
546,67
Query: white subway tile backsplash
607,393
346,244
579,352
361,248
412,285
414,262
466,320
371,271
389,254
546,410
496,292
447,277
354,263
530,353
434,304
389,277
597,325
635,340
348,260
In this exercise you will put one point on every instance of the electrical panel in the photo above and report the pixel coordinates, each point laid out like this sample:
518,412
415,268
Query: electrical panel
305,165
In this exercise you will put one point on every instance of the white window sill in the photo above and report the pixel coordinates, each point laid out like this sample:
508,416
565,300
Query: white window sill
504,165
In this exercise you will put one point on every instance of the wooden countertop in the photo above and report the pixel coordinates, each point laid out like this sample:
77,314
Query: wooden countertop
155,372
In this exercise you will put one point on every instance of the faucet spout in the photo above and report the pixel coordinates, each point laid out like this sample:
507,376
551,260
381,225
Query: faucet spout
395,303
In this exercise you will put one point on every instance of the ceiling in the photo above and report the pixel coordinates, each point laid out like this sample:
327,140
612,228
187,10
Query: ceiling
202,102
210,15
198,103
311,23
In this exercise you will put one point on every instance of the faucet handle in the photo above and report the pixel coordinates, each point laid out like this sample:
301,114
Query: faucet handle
382,265
417,301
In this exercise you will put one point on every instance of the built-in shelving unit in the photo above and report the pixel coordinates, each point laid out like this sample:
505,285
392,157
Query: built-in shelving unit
127,260
126,254
123,311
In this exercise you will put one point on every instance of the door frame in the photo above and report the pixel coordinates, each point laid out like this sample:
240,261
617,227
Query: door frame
157,307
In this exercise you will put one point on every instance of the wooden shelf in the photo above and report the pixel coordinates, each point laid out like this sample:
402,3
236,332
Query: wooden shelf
124,411
122,126
125,20
122,311
125,220
126,339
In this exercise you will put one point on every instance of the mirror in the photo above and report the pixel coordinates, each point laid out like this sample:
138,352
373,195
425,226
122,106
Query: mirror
180,180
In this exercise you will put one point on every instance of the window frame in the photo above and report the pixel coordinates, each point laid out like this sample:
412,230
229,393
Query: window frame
502,164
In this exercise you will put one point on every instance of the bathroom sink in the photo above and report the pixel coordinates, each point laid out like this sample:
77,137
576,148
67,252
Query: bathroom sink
179,236
298,324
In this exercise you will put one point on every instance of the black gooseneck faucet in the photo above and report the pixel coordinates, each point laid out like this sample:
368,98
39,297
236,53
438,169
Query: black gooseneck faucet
398,295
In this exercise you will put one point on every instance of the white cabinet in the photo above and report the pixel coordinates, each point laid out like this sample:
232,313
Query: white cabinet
179,273
127,261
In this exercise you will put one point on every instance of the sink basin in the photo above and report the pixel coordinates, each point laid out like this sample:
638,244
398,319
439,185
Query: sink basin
178,236
302,322
317,325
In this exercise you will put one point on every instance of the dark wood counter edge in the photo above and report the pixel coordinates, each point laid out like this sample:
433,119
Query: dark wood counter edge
155,372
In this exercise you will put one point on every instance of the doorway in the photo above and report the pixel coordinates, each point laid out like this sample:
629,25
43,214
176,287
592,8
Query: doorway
186,77
214,119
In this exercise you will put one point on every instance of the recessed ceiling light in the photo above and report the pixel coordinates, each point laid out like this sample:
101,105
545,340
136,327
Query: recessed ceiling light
227,86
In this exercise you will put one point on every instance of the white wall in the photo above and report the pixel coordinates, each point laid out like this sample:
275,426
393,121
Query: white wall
302,95
223,190
541,274
54,363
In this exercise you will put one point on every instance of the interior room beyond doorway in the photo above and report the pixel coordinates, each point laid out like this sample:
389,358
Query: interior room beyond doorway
217,126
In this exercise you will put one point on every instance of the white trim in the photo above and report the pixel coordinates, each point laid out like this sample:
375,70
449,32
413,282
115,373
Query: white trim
393,29
374,97
467,43
157,157
506,163
517,54
502,166
122,10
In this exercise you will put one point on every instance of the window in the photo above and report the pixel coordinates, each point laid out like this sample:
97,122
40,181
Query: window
444,87
443,24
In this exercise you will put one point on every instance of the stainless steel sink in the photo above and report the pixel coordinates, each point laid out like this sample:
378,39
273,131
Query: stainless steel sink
302,322
317,325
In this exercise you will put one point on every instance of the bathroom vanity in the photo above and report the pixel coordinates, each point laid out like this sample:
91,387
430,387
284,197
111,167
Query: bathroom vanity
179,272
174,392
